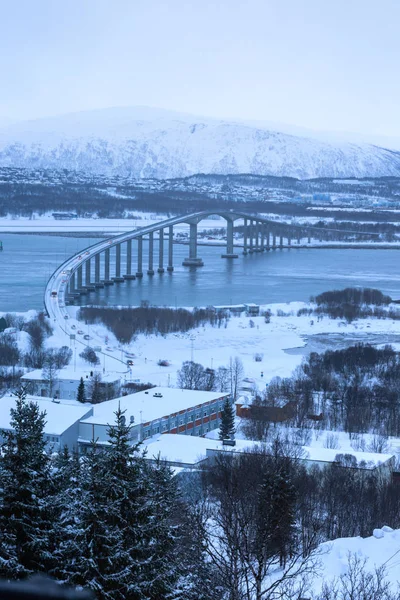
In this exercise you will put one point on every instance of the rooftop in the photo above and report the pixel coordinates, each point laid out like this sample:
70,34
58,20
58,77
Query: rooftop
187,449
145,406
372,459
59,417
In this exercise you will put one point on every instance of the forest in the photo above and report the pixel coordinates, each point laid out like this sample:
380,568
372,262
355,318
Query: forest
126,528
355,389
126,323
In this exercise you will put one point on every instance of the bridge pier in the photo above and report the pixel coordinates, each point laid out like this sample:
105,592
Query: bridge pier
118,278
72,288
128,274
257,236
79,283
193,260
274,241
170,267
229,241
89,286
262,237
97,282
150,270
160,251
139,272
107,280
251,235
244,236
281,242
268,243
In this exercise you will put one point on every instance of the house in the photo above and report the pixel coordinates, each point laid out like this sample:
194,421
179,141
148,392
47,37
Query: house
252,310
66,382
61,422
155,411
272,414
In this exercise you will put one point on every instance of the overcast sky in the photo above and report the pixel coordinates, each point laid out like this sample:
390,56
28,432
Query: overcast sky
322,64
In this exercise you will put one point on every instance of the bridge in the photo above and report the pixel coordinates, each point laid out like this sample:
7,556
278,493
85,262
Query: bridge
91,268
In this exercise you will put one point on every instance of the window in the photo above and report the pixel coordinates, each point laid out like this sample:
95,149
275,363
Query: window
205,413
181,422
165,427
197,416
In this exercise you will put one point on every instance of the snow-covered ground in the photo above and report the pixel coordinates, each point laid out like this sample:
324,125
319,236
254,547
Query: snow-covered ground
380,549
243,337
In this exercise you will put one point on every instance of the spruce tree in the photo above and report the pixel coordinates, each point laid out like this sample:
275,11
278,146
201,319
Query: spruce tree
81,395
116,532
24,496
276,531
227,426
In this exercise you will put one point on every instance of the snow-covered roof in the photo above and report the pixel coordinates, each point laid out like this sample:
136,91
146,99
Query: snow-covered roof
145,406
187,449
70,374
192,449
59,416
328,455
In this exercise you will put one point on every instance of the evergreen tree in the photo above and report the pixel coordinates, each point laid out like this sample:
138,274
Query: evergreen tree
25,488
116,533
96,395
227,426
81,395
276,531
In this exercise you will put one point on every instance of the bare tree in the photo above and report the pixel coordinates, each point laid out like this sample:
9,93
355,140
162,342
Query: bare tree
235,375
191,376
252,538
49,374
358,583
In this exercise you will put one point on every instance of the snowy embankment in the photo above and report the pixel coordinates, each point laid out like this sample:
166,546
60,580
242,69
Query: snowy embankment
382,549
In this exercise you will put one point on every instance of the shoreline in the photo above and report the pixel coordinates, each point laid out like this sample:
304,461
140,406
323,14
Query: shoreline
216,244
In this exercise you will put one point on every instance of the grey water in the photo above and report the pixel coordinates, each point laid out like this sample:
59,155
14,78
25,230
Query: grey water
27,261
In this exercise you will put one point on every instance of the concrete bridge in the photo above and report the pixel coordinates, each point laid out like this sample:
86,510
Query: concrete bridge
91,268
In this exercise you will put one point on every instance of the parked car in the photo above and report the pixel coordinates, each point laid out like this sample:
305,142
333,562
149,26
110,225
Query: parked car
80,331
129,363
87,337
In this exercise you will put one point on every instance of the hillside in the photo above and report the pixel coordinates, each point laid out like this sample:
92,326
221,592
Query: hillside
153,143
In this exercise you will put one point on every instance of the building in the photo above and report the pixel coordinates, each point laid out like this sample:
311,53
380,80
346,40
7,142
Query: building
272,414
61,421
370,461
155,411
252,310
192,452
66,382
64,216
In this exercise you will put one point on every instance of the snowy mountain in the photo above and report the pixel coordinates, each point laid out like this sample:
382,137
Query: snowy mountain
152,143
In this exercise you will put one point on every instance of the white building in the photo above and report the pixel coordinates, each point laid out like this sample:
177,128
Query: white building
158,410
61,420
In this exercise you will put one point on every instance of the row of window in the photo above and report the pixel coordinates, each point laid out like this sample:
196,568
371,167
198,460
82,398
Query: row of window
196,430
52,438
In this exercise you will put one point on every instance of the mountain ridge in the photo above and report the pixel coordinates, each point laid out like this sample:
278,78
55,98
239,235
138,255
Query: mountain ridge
143,142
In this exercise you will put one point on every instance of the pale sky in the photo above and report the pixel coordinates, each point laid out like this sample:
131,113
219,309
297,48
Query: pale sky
322,64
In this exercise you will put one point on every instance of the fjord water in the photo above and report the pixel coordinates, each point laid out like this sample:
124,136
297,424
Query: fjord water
27,261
